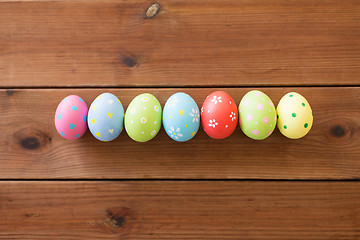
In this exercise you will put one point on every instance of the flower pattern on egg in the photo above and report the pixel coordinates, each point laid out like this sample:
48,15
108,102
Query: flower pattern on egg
257,113
143,117
213,123
255,132
181,113
143,120
173,101
233,116
175,133
195,115
216,99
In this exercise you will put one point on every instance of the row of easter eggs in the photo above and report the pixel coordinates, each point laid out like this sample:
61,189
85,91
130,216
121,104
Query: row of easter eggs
181,116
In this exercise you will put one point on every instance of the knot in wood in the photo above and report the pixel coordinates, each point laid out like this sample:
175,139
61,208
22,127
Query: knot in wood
338,131
119,219
32,139
152,10
130,61
30,143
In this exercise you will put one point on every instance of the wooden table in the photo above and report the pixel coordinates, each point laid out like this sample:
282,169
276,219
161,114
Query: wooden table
235,188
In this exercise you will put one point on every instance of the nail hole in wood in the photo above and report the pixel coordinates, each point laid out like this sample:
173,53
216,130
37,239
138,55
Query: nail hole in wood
32,215
10,92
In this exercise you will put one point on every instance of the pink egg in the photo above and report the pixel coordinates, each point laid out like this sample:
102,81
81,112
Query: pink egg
70,117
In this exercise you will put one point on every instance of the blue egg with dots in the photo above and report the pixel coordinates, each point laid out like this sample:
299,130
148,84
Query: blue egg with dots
106,117
181,117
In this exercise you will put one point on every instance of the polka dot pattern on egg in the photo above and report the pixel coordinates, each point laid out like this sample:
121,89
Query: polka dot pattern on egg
294,116
70,117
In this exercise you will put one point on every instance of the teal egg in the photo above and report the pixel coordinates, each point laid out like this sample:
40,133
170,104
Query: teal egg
181,117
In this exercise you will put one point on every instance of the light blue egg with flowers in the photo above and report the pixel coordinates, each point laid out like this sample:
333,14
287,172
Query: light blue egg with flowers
181,117
106,117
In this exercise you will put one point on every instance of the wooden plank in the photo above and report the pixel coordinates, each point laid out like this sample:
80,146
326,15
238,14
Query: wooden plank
30,147
187,43
180,210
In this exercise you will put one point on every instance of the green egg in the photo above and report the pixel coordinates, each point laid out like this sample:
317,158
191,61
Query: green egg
257,115
143,117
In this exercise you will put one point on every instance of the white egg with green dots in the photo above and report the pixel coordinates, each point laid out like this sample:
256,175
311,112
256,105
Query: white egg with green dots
295,117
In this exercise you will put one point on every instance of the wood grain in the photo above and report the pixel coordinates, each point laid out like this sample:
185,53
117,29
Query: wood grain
131,47
31,148
186,43
180,210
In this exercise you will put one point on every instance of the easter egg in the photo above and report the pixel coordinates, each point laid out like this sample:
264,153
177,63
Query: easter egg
70,117
181,117
219,115
295,116
257,115
143,117
106,117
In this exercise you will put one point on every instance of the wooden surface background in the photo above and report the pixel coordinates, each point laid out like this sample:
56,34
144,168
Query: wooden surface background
235,188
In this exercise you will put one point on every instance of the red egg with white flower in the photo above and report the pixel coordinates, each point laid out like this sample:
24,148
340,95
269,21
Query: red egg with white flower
219,115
